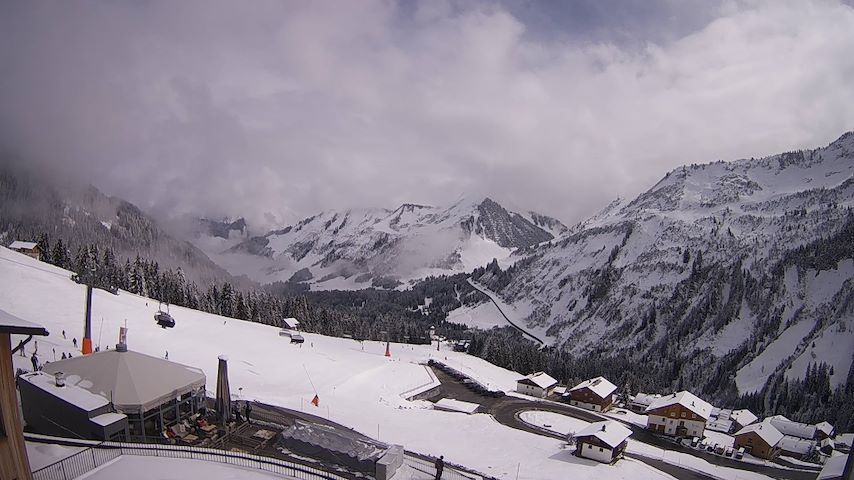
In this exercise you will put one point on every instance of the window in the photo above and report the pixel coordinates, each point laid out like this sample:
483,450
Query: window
589,446
600,449
683,414
672,414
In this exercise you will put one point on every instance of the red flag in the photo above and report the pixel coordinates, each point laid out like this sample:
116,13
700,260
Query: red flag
315,401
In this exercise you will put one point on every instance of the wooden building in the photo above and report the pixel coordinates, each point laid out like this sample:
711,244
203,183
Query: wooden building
30,249
538,384
759,439
595,394
681,414
602,441
14,464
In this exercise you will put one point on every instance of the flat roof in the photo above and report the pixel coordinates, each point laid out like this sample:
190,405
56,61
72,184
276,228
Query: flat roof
108,418
16,325
457,405
79,397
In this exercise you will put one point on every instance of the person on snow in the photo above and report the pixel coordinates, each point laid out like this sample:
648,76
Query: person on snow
440,466
74,341
247,409
35,361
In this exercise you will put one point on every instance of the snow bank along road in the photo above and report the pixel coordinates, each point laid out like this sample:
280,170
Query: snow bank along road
507,410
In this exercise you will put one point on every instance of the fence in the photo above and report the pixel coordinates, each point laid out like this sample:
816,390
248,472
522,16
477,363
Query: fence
95,456
449,473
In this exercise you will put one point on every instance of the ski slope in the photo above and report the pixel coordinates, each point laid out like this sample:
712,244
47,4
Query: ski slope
357,385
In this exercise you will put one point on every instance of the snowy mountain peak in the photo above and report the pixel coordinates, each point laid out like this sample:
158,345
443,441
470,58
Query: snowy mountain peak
750,256
358,248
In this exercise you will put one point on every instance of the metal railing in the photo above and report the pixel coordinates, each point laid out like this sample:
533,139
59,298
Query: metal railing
96,456
450,472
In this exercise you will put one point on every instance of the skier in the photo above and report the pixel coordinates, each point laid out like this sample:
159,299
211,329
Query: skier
63,356
35,361
63,335
167,354
440,466
21,348
74,341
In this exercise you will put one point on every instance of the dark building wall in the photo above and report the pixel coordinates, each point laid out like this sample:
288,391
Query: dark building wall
49,415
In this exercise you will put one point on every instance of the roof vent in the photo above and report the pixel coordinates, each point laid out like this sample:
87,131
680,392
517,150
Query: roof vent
59,378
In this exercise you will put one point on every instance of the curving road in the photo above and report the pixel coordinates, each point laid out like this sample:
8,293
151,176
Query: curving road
506,411
492,299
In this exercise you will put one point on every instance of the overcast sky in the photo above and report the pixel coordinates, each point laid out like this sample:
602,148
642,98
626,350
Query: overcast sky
282,109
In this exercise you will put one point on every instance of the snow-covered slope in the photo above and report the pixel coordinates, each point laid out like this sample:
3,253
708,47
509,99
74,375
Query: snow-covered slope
715,267
359,248
357,385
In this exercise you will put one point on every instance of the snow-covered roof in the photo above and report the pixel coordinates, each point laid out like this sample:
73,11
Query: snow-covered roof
833,468
108,418
744,417
12,324
766,432
825,427
796,445
645,398
134,381
687,400
291,322
456,405
540,379
719,424
795,429
17,244
599,385
79,397
611,432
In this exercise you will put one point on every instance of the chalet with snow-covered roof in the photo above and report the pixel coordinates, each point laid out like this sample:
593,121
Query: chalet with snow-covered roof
538,384
640,402
823,430
720,421
742,418
793,429
681,414
595,394
602,441
759,439
797,448
30,249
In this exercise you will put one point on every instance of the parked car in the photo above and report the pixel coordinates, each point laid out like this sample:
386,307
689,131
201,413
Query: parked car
728,451
739,453
710,447
694,442
719,449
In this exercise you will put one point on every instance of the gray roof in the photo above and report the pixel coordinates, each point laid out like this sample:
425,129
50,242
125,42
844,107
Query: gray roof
11,324
135,382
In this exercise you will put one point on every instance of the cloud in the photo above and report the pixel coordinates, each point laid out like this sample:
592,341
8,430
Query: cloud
276,110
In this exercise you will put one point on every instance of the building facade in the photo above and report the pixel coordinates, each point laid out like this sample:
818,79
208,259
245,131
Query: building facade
596,394
680,414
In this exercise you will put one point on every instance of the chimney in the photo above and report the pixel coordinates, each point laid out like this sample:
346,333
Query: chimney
59,378
122,346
